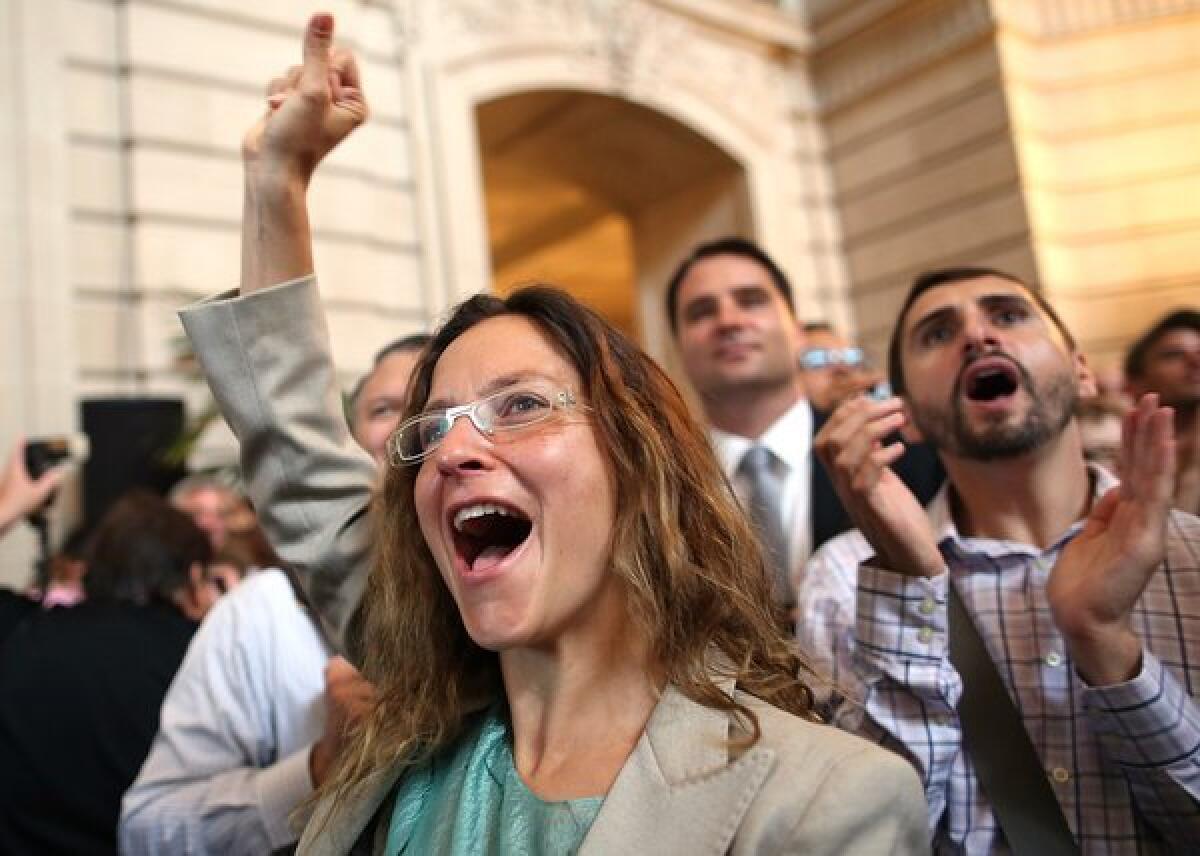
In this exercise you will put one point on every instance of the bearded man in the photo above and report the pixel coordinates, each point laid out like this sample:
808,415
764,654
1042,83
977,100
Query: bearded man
1083,594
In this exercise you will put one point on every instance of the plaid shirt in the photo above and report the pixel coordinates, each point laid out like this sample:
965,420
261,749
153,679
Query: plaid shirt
1124,761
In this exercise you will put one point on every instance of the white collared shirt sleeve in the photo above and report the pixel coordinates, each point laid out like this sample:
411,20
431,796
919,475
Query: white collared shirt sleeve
230,761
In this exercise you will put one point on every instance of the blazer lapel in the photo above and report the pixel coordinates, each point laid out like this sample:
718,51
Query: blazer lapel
679,793
338,837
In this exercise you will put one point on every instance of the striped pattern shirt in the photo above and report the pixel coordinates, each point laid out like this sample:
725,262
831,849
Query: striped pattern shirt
1124,760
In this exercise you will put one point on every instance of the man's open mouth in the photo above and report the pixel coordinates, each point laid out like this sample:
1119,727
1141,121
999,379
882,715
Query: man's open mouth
990,379
485,533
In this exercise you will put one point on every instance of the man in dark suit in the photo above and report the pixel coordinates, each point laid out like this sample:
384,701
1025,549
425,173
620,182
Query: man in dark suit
732,313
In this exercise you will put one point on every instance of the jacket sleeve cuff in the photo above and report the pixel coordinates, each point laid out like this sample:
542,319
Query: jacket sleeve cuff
281,789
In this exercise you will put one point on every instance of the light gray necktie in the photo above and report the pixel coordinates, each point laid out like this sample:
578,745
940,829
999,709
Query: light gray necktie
765,501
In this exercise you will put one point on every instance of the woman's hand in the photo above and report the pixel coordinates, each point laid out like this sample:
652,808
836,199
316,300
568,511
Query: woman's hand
310,109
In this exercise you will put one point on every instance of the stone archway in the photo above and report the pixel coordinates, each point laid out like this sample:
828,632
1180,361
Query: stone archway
602,196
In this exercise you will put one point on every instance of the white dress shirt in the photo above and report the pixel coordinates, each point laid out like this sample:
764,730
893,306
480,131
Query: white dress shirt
790,440
230,761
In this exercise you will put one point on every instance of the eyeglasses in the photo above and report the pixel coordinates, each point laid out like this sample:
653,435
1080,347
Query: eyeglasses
820,358
508,410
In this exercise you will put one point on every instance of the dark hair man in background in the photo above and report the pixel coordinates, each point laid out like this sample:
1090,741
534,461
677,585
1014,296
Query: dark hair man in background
732,313
1166,360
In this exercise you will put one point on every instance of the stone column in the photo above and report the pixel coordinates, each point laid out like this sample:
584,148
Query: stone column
37,356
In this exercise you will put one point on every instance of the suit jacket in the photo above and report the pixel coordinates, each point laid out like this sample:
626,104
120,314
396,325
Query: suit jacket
802,788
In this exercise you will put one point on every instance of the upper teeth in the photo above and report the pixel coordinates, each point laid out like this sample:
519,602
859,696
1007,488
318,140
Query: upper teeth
478,510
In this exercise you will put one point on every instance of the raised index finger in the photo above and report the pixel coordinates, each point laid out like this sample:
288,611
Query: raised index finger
318,39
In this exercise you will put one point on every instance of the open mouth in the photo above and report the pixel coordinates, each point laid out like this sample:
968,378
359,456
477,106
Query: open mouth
990,381
486,533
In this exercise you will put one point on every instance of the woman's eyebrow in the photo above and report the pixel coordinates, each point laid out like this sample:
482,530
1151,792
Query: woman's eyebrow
495,385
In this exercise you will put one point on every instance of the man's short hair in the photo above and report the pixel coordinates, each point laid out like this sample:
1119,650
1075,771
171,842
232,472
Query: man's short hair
1178,319
403,345
143,550
948,276
728,246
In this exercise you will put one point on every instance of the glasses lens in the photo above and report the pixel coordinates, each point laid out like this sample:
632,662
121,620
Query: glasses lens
514,408
431,429
815,358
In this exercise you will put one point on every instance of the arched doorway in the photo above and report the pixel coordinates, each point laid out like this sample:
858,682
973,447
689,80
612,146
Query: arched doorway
603,197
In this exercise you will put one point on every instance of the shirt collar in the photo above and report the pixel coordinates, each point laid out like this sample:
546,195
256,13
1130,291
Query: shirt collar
789,439
950,539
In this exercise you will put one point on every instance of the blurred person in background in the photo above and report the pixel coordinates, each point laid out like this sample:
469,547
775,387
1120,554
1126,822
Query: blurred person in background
68,566
1166,360
256,714
377,400
20,496
80,688
833,368
1099,421
209,501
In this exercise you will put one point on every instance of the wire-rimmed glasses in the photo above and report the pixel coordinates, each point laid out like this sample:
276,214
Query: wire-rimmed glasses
510,409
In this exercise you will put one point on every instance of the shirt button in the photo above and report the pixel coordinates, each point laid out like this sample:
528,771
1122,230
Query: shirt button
1060,775
925,635
928,605
1053,659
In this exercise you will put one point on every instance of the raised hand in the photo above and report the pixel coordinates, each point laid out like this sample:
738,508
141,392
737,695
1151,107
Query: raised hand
1104,570
310,109
851,446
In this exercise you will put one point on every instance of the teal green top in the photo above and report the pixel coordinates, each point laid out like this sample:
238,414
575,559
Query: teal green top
470,800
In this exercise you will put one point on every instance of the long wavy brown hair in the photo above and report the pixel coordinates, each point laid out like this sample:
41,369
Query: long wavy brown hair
692,569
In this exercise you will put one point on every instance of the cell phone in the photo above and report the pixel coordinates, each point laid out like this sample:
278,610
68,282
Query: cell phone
44,453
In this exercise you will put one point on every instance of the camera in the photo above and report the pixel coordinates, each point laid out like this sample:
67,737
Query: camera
44,453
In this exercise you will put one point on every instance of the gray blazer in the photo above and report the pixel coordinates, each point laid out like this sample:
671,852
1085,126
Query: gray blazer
802,788
268,363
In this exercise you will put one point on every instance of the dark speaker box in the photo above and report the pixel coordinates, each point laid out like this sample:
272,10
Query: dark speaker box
128,437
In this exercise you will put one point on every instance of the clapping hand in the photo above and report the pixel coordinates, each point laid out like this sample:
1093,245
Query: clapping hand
1104,570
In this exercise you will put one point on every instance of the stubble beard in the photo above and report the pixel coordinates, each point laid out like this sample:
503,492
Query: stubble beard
1051,407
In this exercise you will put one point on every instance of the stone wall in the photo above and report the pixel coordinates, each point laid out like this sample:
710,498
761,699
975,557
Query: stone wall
919,138
1105,106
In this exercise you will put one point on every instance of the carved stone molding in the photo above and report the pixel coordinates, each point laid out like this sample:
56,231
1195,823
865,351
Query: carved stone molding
1057,18
912,35
632,46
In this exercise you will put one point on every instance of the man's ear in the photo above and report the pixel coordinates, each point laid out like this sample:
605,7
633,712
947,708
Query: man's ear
909,430
1085,378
